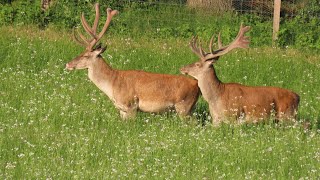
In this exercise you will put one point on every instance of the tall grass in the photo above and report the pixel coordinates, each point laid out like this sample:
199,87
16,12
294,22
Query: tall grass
57,125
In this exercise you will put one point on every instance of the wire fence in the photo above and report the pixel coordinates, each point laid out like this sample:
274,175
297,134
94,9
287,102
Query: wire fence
260,7
289,8
184,17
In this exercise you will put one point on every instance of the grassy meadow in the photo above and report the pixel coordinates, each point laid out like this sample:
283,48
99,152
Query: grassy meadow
55,124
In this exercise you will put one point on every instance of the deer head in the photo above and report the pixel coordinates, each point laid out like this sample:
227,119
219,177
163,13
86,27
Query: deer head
208,58
92,51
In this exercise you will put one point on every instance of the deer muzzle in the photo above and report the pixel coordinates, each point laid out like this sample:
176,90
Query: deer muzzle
69,66
184,71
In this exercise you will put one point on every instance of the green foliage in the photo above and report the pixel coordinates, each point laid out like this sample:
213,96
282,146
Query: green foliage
5,1
156,19
300,32
56,124
20,12
303,30
6,14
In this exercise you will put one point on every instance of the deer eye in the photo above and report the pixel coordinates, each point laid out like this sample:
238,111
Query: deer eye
197,64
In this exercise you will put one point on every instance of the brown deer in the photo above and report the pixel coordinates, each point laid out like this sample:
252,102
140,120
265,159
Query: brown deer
236,101
132,90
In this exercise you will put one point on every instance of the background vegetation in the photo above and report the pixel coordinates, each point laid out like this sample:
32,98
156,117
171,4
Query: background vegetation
169,19
57,124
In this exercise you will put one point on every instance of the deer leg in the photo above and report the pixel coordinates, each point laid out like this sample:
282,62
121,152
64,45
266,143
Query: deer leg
216,121
282,111
184,108
128,115
216,116
129,111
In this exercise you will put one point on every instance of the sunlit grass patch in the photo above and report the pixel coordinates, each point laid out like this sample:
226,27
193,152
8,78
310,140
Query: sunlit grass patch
57,124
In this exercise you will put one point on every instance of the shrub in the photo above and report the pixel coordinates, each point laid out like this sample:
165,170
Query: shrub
154,18
302,30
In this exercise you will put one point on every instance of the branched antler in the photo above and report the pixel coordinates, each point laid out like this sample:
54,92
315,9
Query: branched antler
240,41
92,31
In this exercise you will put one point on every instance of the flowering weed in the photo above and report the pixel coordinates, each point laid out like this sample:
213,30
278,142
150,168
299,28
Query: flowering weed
57,125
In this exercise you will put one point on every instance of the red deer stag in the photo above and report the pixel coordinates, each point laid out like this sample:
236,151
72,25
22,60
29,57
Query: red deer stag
132,90
232,100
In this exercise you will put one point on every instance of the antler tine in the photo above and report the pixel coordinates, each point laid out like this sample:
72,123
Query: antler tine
194,47
86,26
219,41
83,38
82,42
91,31
240,41
202,52
110,14
210,45
96,20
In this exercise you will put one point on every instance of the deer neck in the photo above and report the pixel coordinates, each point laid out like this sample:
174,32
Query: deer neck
211,87
102,75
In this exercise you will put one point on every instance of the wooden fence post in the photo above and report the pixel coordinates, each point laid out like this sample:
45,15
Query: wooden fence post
276,20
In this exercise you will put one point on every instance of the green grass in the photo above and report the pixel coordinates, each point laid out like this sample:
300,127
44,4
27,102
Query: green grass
57,124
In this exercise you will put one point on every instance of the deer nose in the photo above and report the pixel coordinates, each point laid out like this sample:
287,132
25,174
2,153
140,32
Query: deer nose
69,67
183,71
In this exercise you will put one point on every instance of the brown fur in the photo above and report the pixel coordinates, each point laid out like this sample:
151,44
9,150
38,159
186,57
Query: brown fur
133,90
239,101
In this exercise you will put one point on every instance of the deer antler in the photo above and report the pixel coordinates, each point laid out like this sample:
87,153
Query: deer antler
90,43
195,48
240,41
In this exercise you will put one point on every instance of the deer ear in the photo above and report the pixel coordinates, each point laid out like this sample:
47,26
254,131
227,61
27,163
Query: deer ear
98,46
99,50
210,61
213,60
